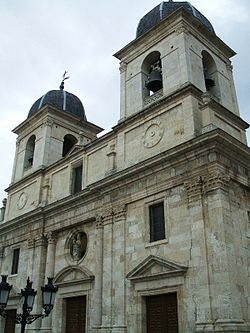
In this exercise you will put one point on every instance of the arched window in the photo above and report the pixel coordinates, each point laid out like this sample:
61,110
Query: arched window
68,142
210,74
152,74
29,152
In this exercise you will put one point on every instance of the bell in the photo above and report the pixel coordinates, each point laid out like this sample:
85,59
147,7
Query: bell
154,81
209,83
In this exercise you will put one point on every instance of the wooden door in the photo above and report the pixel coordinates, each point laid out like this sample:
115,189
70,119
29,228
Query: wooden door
76,314
162,313
10,324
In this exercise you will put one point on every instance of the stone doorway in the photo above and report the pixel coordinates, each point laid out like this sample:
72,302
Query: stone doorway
162,314
76,314
10,325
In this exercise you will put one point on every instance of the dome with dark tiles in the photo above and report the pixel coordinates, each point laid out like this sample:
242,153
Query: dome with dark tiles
163,10
62,100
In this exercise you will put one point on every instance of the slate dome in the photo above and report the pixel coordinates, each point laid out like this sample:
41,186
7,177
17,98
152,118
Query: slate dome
163,10
62,100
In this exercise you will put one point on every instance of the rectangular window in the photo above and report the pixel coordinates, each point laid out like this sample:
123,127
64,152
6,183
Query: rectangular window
77,179
15,261
157,222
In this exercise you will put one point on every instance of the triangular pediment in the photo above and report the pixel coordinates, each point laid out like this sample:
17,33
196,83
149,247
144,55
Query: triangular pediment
73,275
154,268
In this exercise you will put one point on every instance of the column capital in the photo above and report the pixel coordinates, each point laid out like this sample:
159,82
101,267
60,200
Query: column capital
98,221
40,240
120,211
123,67
51,237
1,252
216,180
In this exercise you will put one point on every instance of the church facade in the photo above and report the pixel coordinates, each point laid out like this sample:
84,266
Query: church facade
146,228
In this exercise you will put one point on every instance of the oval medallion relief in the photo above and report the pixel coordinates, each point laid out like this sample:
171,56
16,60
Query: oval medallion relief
22,200
78,246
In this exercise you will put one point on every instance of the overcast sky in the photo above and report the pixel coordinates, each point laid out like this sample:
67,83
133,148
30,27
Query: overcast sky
40,39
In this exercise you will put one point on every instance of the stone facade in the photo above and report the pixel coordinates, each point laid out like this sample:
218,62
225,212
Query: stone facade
184,147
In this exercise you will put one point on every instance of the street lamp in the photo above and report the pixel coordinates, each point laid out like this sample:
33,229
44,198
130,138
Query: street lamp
5,289
29,294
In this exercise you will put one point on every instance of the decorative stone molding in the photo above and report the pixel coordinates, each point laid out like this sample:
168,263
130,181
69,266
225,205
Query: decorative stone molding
156,268
31,243
123,67
216,181
119,211
209,99
48,122
107,214
206,98
204,184
73,275
194,187
3,209
229,67
1,252
46,182
183,28
112,156
98,221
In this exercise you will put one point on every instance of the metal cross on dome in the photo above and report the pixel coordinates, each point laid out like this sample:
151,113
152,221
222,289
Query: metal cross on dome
64,77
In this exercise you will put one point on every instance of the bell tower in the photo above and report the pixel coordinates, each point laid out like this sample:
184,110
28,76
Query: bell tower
177,56
55,128
55,124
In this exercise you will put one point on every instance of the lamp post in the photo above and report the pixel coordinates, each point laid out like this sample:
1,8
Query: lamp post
29,294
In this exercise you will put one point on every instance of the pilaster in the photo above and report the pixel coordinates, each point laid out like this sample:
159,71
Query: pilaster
49,272
107,282
123,71
39,265
119,264
97,306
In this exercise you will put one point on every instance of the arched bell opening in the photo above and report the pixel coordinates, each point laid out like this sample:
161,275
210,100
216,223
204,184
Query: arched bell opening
210,74
29,152
68,142
152,74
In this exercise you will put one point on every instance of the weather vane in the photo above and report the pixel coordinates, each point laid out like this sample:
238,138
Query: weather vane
64,77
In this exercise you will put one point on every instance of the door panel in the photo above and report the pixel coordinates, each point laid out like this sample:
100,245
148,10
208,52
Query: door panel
162,313
76,314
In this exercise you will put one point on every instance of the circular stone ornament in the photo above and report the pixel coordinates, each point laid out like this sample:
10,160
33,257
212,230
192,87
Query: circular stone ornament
22,200
153,134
